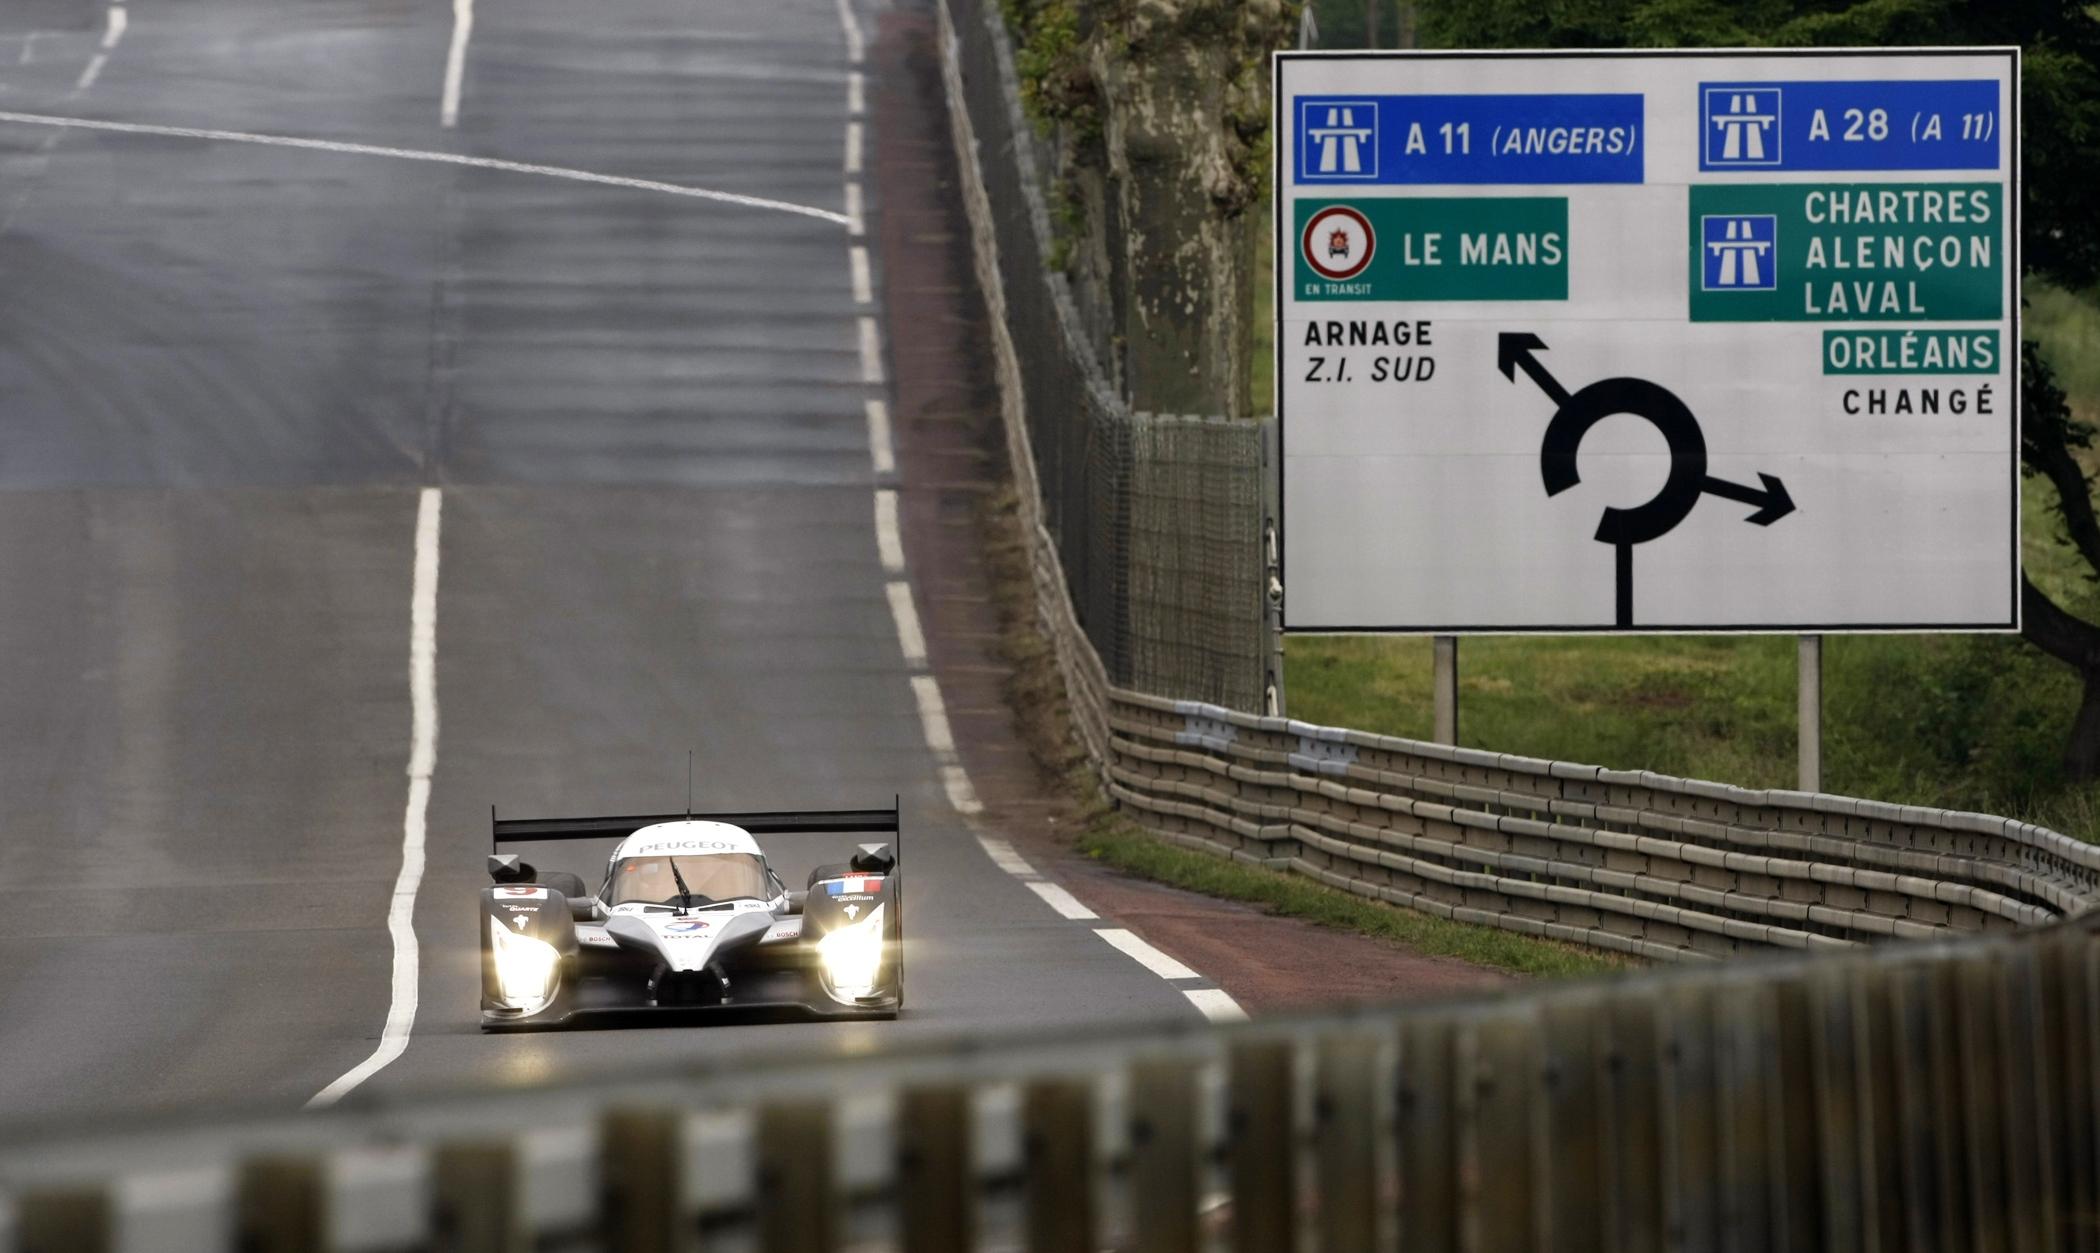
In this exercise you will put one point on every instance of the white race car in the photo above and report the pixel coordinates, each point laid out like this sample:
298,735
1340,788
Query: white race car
691,918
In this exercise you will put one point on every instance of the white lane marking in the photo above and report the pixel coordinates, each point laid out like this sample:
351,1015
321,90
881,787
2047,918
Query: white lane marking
414,154
870,352
880,449
1217,1004
1004,857
863,281
856,94
456,62
856,225
422,763
28,48
119,20
92,72
854,140
933,714
1062,901
909,634
856,46
1145,955
962,797
889,540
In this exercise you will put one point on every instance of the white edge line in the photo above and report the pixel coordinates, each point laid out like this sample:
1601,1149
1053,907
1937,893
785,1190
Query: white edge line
889,542
414,154
962,797
933,715
880,447
856,93
1145,955
853,147
909,634
863,282
1062,901
1216,1004
870,351
856,46
1004,856
856,223
422,763
456,62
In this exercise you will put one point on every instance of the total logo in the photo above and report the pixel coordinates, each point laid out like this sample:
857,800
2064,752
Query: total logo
1338,243
688,927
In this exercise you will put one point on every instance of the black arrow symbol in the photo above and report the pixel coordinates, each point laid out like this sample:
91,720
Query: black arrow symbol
1773,502
1513,349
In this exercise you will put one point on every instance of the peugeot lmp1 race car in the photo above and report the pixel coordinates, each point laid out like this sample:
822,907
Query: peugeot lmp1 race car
692,918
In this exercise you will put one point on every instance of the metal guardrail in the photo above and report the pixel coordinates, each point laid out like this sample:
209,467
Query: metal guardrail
1635,862
1938,1095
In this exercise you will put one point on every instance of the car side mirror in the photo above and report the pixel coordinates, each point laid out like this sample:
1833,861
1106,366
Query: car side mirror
585,909
795,902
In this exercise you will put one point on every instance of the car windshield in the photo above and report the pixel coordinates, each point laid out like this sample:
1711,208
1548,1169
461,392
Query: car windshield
715,876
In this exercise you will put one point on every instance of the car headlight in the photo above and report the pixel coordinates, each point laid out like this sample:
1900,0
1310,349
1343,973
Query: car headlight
852,955
525,967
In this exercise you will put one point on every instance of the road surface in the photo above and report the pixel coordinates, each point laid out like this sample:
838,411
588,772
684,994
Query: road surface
256,398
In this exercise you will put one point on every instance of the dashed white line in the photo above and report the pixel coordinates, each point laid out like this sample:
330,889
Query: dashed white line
880,448
856,94
422,763
113,33
1004,857
1062,901
1145,955
863,282
933,713
456,62
889,540
856,225
413,154
910,637
854,142
856,46
92,72
870,352
962,796
1217,1004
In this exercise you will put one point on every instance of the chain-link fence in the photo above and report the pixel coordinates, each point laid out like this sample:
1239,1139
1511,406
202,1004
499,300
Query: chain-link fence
1158,519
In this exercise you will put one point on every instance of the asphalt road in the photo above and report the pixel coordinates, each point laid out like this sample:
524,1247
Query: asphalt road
228,371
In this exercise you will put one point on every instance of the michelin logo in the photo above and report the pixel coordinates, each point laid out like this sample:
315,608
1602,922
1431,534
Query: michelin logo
1741,126
1337,141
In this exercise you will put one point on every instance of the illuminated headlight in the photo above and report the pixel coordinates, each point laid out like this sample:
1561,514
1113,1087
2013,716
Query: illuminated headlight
852,956
525,967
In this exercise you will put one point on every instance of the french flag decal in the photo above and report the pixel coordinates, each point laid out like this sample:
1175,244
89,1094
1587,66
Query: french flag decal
854,886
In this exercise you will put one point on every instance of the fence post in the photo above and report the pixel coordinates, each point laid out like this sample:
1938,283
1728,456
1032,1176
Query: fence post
1446,694
1350,1136
1263,1135
282,1205
1058,1161
1427,1137
1809,741
798,1204
64,1220
1163,1155
475,1198
935,1177
643,1151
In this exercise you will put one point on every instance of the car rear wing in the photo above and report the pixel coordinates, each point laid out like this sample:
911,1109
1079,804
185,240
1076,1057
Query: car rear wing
765,822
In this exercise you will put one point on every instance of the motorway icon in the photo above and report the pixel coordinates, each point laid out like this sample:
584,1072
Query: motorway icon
1340,141
1742,126
1739,252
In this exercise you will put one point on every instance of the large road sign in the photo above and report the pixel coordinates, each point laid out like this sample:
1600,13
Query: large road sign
1649,341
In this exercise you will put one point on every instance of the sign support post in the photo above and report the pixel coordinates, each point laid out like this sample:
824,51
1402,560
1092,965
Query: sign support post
1446,682
1810,735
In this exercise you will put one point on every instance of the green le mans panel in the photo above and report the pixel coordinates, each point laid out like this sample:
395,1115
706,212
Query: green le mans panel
1444,248
1848,252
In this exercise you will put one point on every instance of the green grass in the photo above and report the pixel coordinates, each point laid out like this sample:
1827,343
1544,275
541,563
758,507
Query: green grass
1115,843
1969,722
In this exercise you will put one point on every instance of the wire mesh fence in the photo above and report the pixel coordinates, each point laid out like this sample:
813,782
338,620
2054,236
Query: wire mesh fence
1157,518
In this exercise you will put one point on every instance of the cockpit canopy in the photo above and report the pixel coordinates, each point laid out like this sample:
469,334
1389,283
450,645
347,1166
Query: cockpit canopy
648,879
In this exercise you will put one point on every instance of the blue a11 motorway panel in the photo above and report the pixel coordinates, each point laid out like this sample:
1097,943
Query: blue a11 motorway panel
1452,139
1946,124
